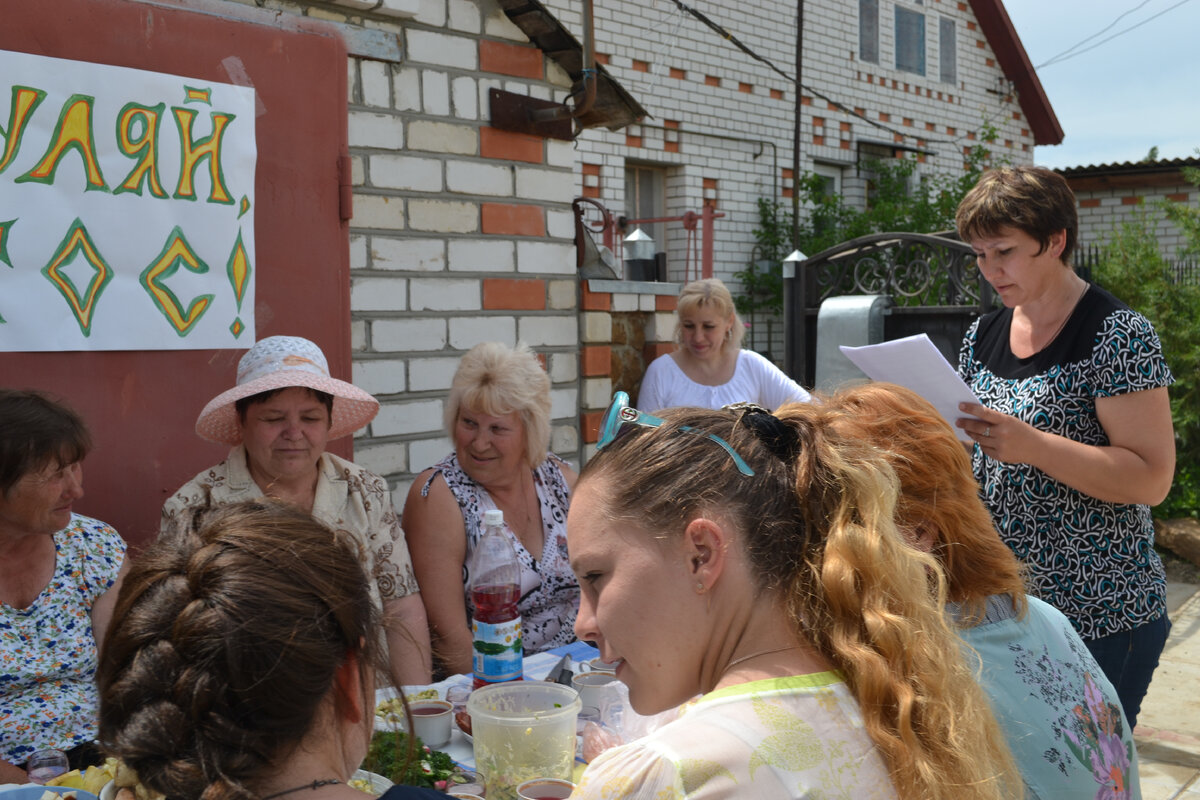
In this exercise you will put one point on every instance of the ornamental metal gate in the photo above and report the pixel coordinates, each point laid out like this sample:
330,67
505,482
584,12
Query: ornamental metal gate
932,279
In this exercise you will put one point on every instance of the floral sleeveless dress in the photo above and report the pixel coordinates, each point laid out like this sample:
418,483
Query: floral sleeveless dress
549,591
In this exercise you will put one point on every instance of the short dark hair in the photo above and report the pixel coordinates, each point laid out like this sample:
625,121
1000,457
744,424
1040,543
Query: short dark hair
36,429
241,406
1034,200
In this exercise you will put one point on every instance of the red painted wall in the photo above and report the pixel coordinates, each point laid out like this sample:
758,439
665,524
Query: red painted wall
142,406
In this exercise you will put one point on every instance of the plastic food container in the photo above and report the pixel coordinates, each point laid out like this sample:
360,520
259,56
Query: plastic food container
523,730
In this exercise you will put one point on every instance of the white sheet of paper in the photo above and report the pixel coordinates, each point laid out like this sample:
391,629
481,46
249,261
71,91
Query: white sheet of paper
914,362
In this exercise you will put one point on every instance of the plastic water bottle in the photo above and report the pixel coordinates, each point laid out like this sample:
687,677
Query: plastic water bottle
495,590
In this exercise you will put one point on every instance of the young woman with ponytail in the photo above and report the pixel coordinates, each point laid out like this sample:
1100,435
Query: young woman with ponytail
241,661
747,564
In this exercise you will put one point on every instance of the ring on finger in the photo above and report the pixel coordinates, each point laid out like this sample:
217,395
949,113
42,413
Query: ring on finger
987,431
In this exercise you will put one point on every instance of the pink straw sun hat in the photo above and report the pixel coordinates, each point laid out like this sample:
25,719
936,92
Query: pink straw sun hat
279,362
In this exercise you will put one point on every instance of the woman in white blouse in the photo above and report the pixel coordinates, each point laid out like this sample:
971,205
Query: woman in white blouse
710,369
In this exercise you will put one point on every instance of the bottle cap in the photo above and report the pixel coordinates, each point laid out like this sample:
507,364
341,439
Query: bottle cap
493,516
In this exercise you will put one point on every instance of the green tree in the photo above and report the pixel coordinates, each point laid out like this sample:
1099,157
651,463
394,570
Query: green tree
898,202
1133,269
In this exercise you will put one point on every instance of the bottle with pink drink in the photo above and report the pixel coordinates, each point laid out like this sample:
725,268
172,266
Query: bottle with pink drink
495,590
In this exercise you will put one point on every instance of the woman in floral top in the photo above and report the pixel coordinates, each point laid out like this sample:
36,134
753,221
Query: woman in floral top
59,577
1061,714
283,411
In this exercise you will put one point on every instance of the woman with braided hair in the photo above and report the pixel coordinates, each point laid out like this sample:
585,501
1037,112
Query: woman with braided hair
241,661
752,559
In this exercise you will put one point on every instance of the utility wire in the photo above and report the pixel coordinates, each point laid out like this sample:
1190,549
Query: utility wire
725,34
1081,42
1066,54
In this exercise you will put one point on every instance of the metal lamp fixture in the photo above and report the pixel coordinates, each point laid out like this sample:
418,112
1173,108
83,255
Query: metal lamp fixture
639,256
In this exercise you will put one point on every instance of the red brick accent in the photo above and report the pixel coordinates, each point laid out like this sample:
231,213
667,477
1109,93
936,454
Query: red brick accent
776,94
510,146
506,58
641,66
862,112
665,302
898,138
971,26
908,123
677,73
1016,115
788,174
818,140
788,193
991,62
1131,201
592,192
596,359
595,301
512,294
589,424
1181,197
671,123
712,80
805,101
671,147
590,169
818,122
845,144
1090,202
885,117
929,126
951,131
512,219
971,135
745,88
602,58
980,44
653,350
710,183
1008,143
633,141
962,6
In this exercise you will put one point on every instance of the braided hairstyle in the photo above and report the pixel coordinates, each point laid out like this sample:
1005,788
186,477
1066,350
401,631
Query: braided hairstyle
224,645
816,524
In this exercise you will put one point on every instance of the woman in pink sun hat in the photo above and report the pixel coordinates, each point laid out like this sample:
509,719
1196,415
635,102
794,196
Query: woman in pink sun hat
279,417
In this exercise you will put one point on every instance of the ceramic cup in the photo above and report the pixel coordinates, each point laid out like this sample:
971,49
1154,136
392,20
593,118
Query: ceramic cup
431,721
591,687
545,789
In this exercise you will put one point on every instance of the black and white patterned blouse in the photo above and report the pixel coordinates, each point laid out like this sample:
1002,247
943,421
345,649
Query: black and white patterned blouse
1092,560
549,591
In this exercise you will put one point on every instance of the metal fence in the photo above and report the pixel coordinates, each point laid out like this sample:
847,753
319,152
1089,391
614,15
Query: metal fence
1182,270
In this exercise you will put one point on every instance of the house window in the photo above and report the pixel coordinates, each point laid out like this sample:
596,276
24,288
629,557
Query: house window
645,198
947,51
910,41
868,30
830,178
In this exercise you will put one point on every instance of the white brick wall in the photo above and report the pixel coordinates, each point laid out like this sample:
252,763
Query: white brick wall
418,252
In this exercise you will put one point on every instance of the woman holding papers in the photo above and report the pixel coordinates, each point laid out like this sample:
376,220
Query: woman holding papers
709,368
1073,440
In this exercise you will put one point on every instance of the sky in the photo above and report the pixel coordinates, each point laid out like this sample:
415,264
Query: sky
1114,102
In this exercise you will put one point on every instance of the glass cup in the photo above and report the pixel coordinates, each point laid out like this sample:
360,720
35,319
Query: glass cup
545,789
46,764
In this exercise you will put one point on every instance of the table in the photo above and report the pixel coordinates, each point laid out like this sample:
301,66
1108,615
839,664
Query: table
535,668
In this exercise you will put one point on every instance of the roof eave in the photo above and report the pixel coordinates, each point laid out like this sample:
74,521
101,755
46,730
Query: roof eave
614,107
1010,53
